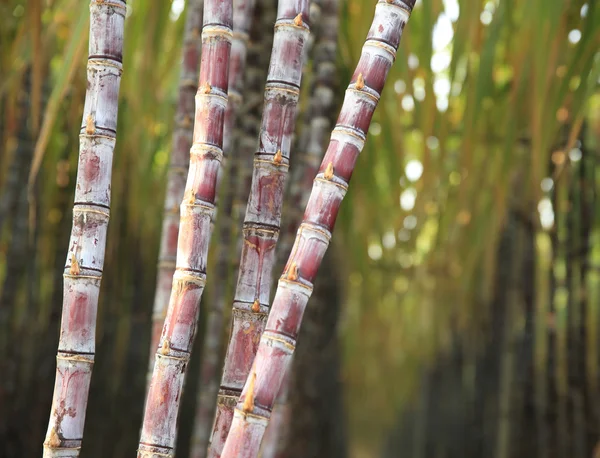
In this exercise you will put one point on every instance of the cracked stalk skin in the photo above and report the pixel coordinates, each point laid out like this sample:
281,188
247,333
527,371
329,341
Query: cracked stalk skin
243,12
178,169
278,341
263,213
91,210
197,210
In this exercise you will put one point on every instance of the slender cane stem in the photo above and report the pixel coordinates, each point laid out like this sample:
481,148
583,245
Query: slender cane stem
278,341
197,209
178,169
243,11
85,259
263,214
319,118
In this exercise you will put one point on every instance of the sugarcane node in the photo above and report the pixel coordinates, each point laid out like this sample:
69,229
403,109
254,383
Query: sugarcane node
298,20
293,272
360,82
54,439
248,405
90,127
256,306
74,269
278,157
205,88
165,348
328,175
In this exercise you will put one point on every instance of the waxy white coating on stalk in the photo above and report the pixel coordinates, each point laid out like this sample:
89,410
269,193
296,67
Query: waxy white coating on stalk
85,259
295,286
178,169
263,213
197,209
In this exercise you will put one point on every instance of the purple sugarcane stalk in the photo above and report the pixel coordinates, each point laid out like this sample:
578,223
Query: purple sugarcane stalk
178,169
197,209
263,213
319,118
278,341
91,210
243,12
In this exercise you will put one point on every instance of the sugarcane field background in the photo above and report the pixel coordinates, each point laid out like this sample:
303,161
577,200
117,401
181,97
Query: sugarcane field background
456,313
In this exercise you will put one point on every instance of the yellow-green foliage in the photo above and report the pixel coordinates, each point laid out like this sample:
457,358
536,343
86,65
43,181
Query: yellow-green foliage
522,76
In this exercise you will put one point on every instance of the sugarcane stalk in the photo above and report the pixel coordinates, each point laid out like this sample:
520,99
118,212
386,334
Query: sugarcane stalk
560,385
178,169
510,296
263,213
248,128
243,13
17,172
317,426
278,341
588,204
318,119
13,205
276,435
17,254
85,259
197,210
